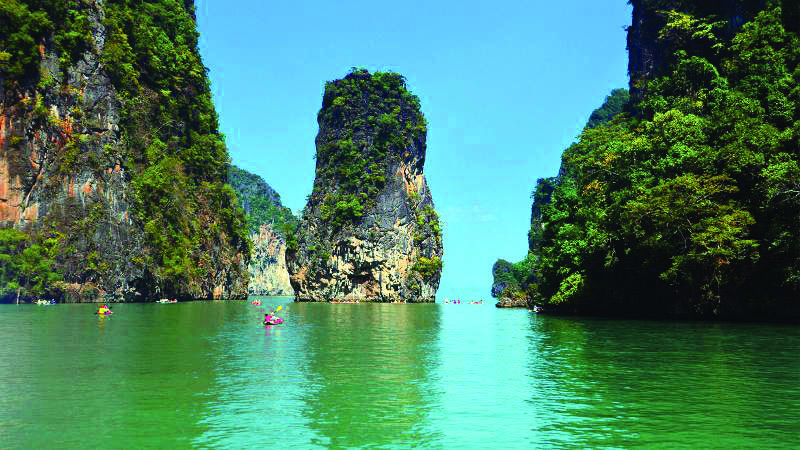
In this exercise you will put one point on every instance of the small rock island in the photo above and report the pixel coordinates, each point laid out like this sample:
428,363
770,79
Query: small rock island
369,231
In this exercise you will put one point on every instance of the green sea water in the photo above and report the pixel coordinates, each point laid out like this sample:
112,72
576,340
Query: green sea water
207,375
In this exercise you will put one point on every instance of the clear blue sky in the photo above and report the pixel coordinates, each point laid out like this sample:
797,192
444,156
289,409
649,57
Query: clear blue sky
505,87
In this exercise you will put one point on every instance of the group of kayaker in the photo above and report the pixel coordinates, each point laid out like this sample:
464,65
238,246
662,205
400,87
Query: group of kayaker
457,301
269,318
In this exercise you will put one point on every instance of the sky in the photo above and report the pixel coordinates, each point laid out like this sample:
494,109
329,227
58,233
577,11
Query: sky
505,87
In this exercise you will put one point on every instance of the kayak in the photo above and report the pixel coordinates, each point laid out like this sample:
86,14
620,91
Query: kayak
276,321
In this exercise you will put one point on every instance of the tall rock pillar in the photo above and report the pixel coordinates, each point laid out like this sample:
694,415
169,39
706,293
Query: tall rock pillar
369,231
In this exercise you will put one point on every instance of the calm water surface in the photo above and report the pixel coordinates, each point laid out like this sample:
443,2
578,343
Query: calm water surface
206,374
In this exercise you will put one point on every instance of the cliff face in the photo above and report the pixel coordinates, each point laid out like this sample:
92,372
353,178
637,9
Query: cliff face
108,144
270,223
268,272
56,174
369,231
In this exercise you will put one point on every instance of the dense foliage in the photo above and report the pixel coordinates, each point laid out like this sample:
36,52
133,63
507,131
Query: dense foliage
261,204
25,25
171,148
615,103
688,204
27,265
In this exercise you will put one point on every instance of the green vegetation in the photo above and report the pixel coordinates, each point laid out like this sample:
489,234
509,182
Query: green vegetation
27,265
427,224
514,281
428,268
261,204
25,25
366,121
688,203
615,103
289,232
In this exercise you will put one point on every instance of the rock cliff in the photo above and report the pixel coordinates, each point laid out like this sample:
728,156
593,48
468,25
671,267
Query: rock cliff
369,231
269,223
109,145
268,272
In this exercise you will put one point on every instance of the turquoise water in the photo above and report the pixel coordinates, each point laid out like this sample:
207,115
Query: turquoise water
205,374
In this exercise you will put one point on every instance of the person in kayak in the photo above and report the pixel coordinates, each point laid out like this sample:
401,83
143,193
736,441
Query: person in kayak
270,319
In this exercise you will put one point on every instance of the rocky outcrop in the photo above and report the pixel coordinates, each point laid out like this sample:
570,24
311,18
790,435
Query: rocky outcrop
369,231
503,278
510,291
512,303
268,272
87,157
269,222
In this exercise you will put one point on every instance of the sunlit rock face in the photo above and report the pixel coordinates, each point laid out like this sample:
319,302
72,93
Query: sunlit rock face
56,171
268,272
369,231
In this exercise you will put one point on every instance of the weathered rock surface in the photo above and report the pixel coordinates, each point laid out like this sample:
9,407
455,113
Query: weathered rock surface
369,231
90,195
67,166
268,272
512,303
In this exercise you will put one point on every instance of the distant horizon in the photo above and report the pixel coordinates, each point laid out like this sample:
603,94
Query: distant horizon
505,89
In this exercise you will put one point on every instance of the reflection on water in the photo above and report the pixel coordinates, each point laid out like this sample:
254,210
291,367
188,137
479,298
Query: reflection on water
624,383
207,374
368,367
